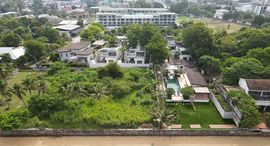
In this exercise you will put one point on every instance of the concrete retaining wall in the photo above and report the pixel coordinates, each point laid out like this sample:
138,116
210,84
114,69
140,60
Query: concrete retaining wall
222,112
131,132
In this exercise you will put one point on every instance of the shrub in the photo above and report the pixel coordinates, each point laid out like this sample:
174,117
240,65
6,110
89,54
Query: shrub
119,89
267,119
169,92
13,120
111,70
223,103
56,67
44,106
187,92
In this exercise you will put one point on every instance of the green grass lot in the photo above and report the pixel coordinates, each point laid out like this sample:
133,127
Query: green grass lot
206,114
213,24
15,102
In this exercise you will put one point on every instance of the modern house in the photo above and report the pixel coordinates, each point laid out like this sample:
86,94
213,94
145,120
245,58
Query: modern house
81,52
69,29
116,17
259,89
135,55
195,79
108,55
14,52
220,13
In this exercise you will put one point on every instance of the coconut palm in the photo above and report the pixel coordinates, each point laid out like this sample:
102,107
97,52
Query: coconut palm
161,114
28,84
19,91
5,92
5,70
42,87
100,92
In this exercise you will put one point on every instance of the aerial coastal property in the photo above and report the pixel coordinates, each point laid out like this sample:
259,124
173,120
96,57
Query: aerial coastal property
160,65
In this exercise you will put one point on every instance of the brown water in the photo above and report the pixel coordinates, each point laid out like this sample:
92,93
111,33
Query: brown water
135,141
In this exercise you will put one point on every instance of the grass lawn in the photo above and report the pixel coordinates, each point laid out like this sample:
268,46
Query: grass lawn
15,102
213,24
206,114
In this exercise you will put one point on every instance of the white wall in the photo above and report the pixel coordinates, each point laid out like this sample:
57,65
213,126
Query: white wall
243,84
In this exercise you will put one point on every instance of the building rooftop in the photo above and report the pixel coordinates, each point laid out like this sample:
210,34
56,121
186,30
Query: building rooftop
258,84
138,16
99,43
75,46
67,27
14,53
85,52
195,77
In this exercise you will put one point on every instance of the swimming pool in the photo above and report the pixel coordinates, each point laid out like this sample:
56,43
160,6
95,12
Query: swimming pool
172,83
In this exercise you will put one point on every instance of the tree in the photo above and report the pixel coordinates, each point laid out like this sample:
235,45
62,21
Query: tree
56,68
198,39
100,93
180,7
187,92
94,32
228,44
263,55
161,114
169,92
42,87
111,70
37,6
19,91
267,119
246,105
34,50
157,49
5,71
28,84
13,120
50,33
258,21
5,92
246,68
11,40
209,64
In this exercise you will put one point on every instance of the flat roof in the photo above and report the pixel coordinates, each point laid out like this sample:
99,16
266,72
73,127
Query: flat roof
67,27
138,16
14,53
201,90
258,84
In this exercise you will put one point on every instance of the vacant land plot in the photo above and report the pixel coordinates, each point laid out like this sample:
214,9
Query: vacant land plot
214,24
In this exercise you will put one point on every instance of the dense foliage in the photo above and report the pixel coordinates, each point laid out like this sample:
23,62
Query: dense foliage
246,104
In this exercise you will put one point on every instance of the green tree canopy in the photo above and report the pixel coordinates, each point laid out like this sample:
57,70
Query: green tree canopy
263,55
34,50
209,64
11,40
246,68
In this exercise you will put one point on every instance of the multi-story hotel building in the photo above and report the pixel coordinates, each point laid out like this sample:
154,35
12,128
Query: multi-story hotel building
115,17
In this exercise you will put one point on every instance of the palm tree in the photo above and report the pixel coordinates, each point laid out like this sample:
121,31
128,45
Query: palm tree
66,90
161,114
19,91
5,70
78,90
100,92
5,92
28,84
42,87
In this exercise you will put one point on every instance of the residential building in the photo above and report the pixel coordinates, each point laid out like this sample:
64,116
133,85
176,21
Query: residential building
220,13
14,52
69,29
259,89
81,52
108,55
116,17
135,55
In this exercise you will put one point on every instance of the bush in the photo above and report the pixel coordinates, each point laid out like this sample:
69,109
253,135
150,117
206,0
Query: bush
119,89
13,120
223,103
111,70
44,106
187,92
267,119
56,67
169,92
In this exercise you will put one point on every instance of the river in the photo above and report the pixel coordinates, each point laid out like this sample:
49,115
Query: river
134,141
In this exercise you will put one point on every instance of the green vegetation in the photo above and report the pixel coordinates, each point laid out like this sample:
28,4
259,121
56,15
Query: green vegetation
206,114
225,105
187,92
246,105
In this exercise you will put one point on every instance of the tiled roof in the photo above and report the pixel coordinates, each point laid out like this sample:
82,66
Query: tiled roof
75,46
195,77
258,84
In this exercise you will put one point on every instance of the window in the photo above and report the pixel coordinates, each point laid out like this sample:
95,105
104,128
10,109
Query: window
139,62
66,55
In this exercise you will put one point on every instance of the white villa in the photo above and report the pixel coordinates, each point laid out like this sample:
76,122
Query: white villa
81,51
259,89
14,52
108,55
135,55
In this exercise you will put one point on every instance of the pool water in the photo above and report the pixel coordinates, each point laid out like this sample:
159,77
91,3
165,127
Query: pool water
173,83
